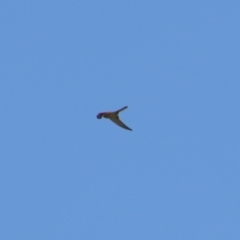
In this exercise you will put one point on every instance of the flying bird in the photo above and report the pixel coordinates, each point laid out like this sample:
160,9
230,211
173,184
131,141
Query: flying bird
113,116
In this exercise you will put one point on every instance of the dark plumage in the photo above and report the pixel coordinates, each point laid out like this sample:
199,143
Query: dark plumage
113,116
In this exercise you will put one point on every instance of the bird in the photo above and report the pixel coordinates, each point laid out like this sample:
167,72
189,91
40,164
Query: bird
113,116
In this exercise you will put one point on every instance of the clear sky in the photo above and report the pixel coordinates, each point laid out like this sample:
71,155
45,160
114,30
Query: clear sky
64,174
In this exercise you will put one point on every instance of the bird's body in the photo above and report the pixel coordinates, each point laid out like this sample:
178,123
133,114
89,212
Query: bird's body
113,116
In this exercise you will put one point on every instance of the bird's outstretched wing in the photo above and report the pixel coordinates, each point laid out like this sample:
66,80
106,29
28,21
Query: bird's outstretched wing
117,121
121,109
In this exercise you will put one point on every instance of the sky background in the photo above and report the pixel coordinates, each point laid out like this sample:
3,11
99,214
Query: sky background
64,174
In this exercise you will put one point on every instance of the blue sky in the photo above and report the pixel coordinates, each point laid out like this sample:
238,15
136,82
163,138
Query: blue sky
65,174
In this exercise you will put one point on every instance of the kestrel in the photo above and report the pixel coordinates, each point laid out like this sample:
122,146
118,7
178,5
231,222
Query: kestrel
114,117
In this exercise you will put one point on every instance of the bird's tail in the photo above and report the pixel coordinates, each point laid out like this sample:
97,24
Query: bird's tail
121,109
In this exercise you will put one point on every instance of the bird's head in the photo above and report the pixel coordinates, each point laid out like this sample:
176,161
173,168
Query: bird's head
99,116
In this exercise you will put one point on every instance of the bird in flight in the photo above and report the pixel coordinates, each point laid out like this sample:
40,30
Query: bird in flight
113,116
